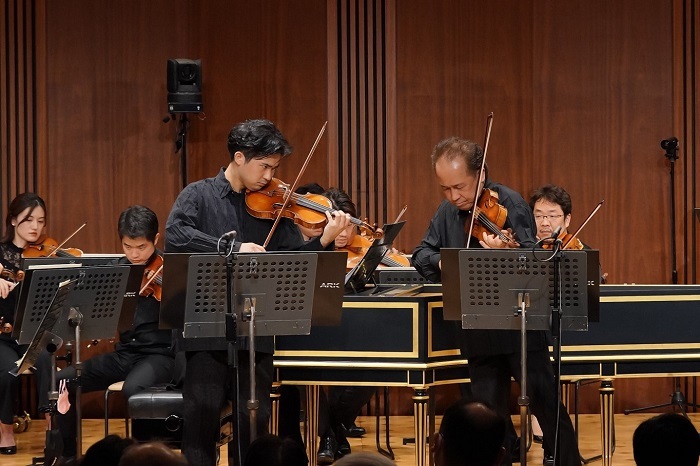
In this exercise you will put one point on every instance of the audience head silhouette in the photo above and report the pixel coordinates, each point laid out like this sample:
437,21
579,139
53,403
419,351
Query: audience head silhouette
270,450
152,454
471,434
666,439
364,459
106,452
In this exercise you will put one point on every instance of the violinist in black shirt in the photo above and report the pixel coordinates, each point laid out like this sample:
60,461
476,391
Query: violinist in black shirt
144,356
202,213
493,354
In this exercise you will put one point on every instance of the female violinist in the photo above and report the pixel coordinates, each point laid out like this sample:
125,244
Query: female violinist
144,356
24,224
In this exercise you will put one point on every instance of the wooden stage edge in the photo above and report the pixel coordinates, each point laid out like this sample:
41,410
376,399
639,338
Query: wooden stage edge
31,443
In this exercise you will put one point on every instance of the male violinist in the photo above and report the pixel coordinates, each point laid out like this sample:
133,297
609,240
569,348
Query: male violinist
551,206
144,356
203,212
493,354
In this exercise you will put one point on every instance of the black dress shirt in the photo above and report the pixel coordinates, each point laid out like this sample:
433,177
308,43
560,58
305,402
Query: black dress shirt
144,336
208,208
447,230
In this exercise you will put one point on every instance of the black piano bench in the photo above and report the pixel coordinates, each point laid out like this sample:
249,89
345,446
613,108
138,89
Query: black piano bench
157,415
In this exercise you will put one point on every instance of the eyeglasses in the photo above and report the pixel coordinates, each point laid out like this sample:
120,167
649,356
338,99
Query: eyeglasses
550,217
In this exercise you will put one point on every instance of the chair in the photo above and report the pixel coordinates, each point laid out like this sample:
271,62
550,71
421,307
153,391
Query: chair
115,387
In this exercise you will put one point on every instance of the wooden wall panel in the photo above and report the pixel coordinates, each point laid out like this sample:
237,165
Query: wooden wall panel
106,82
19,106
581,93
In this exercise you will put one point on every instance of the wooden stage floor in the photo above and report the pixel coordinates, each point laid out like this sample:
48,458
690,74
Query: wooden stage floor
31,443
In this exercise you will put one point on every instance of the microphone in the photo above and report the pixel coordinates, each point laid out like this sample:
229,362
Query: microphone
555,233
670,144
230,236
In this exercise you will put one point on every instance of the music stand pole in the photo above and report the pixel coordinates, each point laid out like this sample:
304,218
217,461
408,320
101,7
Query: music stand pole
556,335
253,404
75,320
523,399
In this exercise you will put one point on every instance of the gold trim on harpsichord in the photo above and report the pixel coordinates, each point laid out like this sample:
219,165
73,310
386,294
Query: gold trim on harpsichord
369,365
632,357
630,347
649,298
414,353
434,353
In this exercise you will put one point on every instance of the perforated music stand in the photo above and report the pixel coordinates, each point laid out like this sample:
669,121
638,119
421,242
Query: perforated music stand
517,289
270,294
91,310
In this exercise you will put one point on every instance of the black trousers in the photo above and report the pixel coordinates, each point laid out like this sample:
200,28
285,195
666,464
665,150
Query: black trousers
138,371
10,352
341,407
491,381
208,384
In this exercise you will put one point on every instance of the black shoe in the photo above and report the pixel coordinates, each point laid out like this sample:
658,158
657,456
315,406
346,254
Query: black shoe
343,448
327,450
66,461
343,444
537,438
355,432
548,460
515,452
8,450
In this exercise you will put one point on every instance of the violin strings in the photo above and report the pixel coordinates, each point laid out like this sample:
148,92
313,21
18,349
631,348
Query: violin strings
492,227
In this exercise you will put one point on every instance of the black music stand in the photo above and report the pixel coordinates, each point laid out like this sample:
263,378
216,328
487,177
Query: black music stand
91,310
357,279
266,295
518,289
44,339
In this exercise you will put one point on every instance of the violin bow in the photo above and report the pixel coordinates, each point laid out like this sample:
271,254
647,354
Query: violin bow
403,211
66,240
487,138
153,277
293,187
590,216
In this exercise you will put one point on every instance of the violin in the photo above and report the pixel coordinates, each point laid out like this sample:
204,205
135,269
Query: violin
489,217
568,241
12,276
152,282
358,248
49,247
308,210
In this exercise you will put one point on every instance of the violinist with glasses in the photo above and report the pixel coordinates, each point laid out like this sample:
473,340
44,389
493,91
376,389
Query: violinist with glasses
494,355
24,225
144,356
204,212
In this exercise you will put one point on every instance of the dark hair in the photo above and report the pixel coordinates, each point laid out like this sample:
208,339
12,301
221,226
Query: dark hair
18,204
257,139
666,439
554,194
472,433
313,188
152,454
341,201
107,451
454,148
271,450
137,221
